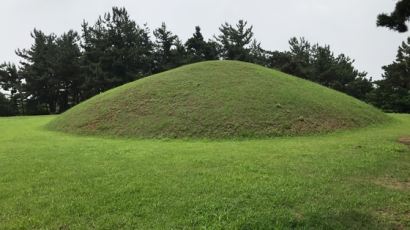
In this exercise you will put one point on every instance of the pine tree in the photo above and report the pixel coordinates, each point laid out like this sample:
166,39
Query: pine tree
200,50
116,51
169,51
258,55
301,58
38,71
398,18
6,107
12,82
319,64
235,41
68,70
393,91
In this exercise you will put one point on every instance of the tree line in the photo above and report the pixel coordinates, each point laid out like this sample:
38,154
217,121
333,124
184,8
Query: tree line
58,72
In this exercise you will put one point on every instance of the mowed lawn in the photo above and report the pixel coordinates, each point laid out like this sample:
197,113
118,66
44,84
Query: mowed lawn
356,179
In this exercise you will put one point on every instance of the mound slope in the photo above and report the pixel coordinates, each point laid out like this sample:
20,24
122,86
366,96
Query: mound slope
217,99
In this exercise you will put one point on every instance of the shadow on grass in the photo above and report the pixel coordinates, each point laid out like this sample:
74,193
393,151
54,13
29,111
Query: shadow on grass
345,220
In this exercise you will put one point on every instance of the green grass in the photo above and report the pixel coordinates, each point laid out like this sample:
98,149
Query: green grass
218,99
345,180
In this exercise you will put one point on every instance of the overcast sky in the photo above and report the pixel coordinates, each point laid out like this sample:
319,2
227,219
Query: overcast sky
348,26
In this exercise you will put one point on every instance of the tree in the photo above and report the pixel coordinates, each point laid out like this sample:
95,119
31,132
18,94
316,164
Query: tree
38,70
393,91
398,18
51,73
169,51
301,55
116,51
319,64
297,61
360,87
200,50
235,41
68,71
258,55
11,81
6,107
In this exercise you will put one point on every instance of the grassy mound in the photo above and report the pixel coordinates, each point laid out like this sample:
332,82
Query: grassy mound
217,99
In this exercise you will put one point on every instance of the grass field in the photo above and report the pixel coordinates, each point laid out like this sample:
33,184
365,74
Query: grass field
353,179
218,99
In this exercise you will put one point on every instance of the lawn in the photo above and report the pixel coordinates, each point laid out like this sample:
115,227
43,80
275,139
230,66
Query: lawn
357,179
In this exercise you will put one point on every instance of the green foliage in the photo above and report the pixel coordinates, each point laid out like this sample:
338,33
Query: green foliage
50,69
398,18
347,180
258,55
393,91
169,51
42,83
218,99
200,50
11,81
235,40
301,53
319,64
67,70
6,106
116,51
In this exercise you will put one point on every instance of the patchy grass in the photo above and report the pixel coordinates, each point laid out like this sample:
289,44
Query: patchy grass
52,180
218,99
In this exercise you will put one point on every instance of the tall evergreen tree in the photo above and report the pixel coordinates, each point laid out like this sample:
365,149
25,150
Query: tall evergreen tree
6,107
393,91
301,57
116,51
200,50
258,55
297,61
319,64
169,51
67,68
51,72
398,18
38,71
11,81
235,41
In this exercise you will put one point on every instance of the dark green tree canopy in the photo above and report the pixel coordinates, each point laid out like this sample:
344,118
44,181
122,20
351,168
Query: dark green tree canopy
393,91
398,18
6,107
258,55
10,79
167,45
116,51
200,50
195,44
38,70
235,40
67,70
319,64
12,82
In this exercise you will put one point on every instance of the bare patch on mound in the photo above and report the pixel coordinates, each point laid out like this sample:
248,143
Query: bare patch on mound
405,140
397,218
392,183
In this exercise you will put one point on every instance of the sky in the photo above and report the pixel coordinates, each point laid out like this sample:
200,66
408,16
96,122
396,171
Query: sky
348,26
